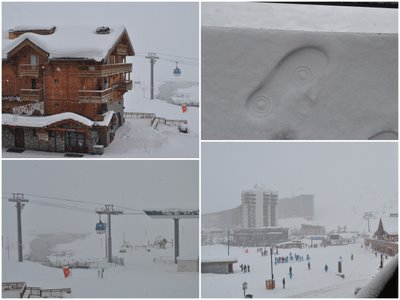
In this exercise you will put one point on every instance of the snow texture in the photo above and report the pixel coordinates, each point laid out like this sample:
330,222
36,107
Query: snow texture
69,42
299,17
263,83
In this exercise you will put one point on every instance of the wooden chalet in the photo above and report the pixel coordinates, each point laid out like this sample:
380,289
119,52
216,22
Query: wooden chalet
63,86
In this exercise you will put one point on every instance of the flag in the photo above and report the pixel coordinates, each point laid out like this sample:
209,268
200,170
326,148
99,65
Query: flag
66,271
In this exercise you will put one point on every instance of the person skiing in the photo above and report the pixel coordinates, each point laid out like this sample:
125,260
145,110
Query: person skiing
283,282
98,273
245,268
241,267
102,273
352,257
326,268
309,265
290,272
248,268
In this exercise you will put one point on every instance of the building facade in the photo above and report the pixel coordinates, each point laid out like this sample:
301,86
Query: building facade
259,208
63,87
298,206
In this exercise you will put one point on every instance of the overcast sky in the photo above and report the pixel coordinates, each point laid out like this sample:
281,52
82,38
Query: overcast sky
341,175
169,28
132,184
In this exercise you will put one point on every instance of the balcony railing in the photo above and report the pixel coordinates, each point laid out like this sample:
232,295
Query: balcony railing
94,96
123,85
32,95
104,70
28,70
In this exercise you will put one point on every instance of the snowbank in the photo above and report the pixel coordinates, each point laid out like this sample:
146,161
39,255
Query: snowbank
263,83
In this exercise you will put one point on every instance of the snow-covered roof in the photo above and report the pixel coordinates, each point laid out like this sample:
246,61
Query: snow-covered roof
68,41
218,259
44,121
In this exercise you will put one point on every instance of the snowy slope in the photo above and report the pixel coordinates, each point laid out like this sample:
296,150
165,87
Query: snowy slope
305,283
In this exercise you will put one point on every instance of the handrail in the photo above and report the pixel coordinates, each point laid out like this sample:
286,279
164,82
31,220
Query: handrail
384,284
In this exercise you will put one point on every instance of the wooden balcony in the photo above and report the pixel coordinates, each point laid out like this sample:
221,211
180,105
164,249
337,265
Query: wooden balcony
123,85
128,85
104,70
30,95
94,96
28,70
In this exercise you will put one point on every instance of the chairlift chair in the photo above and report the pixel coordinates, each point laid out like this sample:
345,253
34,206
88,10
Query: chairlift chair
177,70
100,227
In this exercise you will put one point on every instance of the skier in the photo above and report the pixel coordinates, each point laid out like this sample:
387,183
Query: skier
98,273
102,273
326,268
241,267
245,268
248,268
283,282
290,272
309,265
352,256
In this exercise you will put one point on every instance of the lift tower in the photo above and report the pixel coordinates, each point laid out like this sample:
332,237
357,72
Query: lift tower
174,214
109,211
19,199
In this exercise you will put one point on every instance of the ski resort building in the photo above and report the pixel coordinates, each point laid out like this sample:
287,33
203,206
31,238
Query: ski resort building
63,87
259,207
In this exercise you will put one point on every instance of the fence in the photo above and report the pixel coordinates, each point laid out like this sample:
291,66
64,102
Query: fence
164,260
154,119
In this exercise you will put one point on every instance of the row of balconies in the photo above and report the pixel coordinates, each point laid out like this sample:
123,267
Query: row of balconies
84,71
102,96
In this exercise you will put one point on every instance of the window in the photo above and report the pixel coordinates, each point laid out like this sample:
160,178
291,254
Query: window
34,84
34,59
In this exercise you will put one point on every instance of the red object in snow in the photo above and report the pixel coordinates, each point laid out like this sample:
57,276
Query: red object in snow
184,108
66,271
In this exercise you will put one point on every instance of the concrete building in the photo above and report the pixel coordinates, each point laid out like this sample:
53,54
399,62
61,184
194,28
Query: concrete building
259,237
259,207
298,206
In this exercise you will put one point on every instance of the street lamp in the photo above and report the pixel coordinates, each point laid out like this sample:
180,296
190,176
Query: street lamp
272,265
244,287
228,241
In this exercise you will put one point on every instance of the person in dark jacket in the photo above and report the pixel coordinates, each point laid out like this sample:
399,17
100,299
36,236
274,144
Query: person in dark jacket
283,282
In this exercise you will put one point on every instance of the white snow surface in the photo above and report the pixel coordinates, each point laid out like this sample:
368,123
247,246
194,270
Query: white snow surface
69,42
305,283
285,84
299,17
39,122
141,277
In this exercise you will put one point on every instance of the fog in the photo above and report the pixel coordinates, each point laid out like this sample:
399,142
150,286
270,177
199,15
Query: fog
344,176
133,185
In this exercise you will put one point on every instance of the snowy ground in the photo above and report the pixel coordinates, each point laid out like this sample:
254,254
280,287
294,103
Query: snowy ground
263,77
139,278
305,283
136,138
